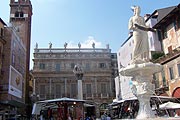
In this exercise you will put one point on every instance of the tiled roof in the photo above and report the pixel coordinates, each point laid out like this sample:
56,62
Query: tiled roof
2,21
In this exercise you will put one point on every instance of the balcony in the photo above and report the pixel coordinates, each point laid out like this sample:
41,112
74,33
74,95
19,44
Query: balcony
96,96
88,96
104,95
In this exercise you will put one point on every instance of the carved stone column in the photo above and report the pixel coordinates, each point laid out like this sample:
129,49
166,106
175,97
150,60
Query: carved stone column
78,71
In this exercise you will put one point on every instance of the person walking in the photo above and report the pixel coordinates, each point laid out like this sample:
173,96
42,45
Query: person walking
108,117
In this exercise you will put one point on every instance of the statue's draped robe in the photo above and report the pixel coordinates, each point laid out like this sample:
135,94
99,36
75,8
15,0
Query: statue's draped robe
141,48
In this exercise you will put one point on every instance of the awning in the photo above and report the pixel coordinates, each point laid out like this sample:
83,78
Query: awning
61,100
52,103
88,105
37,108
13,103
123,100
169,105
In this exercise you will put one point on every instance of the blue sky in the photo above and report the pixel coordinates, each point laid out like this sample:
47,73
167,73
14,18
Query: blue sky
85,21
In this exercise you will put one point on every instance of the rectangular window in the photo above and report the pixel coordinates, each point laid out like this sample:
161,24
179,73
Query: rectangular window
16,0
163,78
171,73
102,65
14,44
113,56
164,33
88,89
42,91
177,24
13,59
57,67
73,90
2,32
41,66
72,65
58,91
87,66
103,88
178,66
159,35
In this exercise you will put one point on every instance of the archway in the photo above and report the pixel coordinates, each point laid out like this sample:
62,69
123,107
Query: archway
176,93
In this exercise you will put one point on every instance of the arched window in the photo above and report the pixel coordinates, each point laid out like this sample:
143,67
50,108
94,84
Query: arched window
19,14
16,14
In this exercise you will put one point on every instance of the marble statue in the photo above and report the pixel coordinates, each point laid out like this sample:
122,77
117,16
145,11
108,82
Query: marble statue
140,36
50,45
65,45
141,70
79,45
78,71
36,45
93,45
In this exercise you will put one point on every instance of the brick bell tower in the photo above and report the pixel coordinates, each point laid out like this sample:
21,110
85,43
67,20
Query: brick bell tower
20,18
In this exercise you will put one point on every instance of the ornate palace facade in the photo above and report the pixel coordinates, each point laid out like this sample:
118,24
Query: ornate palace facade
54,77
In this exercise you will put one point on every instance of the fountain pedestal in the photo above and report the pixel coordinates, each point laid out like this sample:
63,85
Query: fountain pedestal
142,87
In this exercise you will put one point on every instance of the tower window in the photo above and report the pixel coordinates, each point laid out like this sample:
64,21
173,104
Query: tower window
16,0
19,14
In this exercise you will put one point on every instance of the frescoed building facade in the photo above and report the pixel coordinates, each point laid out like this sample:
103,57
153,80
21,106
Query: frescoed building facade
169,35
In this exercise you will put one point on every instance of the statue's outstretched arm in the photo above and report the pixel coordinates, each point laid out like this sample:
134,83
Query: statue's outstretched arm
144,28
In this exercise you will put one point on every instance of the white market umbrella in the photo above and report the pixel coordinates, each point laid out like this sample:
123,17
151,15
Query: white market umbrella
169,105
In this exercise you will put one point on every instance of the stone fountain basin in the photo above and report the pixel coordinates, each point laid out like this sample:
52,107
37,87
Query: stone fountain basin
143,69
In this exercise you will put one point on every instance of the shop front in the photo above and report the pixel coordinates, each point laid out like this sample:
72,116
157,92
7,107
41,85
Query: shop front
11,109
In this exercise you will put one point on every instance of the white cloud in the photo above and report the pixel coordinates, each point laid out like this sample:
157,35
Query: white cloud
86,44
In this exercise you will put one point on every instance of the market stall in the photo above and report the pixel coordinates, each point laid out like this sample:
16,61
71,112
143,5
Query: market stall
59,109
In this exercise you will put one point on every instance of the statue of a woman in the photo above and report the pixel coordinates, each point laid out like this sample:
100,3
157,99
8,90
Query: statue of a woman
65,45
140,36
50,45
